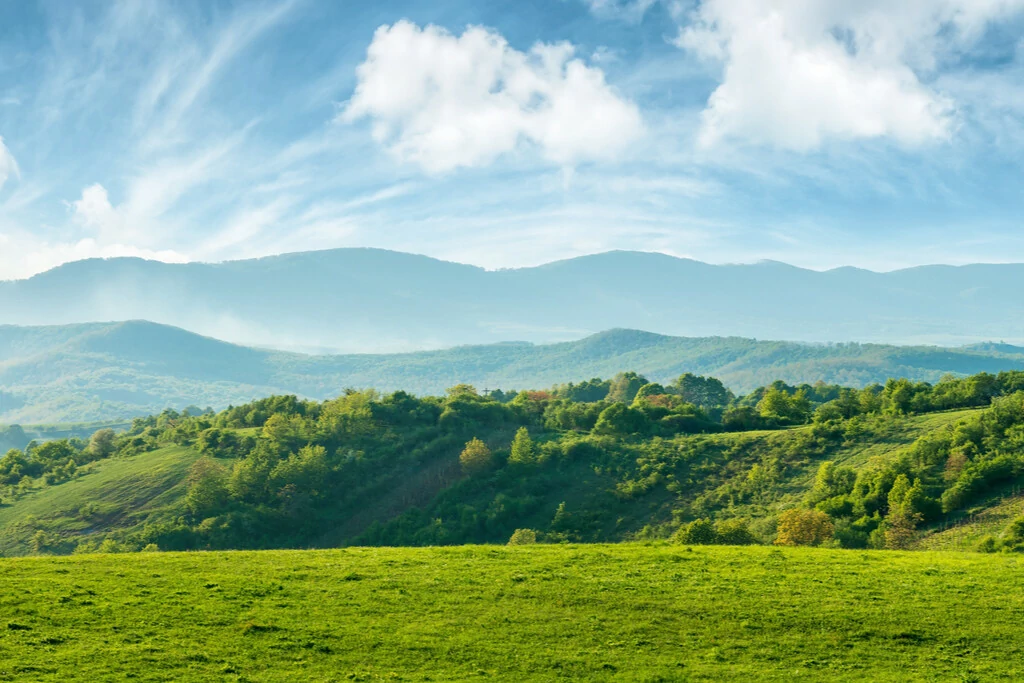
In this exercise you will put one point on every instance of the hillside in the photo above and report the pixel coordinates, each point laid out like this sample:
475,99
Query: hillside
111,371
878,467
596,613
369,300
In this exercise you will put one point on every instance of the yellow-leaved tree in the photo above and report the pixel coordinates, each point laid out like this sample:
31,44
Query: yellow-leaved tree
475,457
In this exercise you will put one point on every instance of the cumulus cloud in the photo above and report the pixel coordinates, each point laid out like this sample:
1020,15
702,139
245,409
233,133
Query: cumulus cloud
95,211
443,101
8,166
799,72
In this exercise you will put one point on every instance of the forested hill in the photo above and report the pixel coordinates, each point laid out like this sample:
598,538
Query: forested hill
373,300
882,467
102,371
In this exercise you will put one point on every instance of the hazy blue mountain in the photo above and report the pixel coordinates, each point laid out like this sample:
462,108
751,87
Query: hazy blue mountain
82,373
374,300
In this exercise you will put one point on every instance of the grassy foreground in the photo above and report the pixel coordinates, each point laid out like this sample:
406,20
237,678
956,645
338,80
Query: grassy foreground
538,613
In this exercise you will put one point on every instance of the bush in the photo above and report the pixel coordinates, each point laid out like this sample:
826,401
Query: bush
523,537
988,545
734,532
697,532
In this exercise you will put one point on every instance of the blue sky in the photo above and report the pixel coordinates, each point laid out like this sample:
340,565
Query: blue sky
846,132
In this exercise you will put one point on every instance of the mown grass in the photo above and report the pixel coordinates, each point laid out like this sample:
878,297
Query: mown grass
118,491
623,612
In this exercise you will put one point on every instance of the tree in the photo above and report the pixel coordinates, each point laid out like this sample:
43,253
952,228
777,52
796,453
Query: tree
523,451
620,419
898,493
523,537
101,444
900,528
462,390
832,481
799,526
207,488
625,386
475,457
898,396
706,392
647,390
774,404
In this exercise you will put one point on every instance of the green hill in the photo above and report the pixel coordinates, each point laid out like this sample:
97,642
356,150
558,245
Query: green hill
113,371
625,612
880,467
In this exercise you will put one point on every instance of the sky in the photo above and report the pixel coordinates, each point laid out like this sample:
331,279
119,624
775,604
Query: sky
821,133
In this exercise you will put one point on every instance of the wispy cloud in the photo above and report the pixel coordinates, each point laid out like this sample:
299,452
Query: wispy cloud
8,164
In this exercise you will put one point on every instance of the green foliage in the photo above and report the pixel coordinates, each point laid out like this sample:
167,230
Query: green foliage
625,386
523,537
207,488
522,451
475,457
697,532
804,527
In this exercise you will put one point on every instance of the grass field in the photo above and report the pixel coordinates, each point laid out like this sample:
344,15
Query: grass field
623,612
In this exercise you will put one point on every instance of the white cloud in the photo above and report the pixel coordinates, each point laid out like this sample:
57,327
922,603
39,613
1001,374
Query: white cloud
443,101
799,72
95,211
24,256
8,166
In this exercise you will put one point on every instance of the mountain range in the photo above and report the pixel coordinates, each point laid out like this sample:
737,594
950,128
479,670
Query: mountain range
371,300
112,371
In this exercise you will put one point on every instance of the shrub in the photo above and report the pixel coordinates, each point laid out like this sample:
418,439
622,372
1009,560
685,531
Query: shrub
523,537
734,532
697,532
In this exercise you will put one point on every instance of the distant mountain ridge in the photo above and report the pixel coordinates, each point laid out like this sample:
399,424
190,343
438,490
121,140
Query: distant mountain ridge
359,300
109,371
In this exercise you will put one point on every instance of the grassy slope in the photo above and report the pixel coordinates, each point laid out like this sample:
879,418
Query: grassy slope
597,613
121,490
989,518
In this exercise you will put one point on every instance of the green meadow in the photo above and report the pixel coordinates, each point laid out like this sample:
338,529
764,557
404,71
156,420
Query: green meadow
623,612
